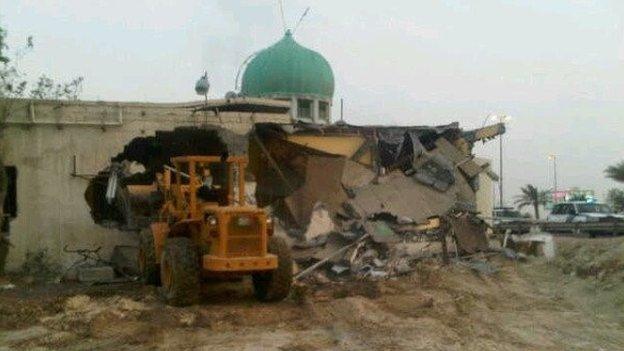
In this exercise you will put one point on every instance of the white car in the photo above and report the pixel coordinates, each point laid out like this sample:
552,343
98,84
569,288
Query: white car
582,212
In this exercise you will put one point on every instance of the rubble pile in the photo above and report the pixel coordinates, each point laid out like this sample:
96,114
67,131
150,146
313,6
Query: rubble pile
383,246
405,194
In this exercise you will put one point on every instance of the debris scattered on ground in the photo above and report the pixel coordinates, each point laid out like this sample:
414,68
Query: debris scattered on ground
383,247
521,307
482,267
320,222
533,244
101,274
469,232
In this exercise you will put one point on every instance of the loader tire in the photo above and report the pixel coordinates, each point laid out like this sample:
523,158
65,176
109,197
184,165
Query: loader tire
275,285
148,264
180,272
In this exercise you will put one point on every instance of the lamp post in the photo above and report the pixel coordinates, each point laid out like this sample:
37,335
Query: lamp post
499,119
553,158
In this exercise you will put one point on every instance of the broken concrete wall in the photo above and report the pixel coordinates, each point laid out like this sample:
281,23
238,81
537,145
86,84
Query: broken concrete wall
293,178
322,184
135,204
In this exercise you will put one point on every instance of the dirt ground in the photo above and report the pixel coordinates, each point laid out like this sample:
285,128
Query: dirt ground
573,303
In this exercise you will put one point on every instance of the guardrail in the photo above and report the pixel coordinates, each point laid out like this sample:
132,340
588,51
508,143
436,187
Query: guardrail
607,227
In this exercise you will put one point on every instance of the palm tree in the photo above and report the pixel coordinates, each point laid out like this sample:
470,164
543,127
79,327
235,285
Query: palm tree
531,196
616,172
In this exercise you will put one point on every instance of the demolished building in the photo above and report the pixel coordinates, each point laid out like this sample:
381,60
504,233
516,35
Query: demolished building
360,198
296,166
329,186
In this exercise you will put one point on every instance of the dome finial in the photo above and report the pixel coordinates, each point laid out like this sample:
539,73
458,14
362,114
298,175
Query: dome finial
288,33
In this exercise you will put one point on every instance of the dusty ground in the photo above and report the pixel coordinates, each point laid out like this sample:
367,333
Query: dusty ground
570,304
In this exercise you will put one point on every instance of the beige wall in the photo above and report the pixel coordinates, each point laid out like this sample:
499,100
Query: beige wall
42,139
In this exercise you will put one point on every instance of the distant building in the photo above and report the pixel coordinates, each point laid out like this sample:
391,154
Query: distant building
573,194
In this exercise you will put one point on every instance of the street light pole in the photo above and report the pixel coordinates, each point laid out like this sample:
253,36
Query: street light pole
555,172
554,159
500,170
499,119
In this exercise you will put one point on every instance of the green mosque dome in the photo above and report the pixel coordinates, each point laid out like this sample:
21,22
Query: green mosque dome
288,69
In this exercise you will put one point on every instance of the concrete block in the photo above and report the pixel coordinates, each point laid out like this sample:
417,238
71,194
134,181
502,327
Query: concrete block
125,259
101,274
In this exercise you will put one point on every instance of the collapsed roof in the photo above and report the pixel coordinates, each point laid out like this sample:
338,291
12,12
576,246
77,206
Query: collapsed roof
414,172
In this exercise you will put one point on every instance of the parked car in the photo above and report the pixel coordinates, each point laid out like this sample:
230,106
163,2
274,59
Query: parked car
578,211
505,218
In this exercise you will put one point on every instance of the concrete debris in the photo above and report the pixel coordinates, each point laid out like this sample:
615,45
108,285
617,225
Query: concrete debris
379,225
379,249
403,267
469,232
340,269
101,274
356,175
320,222
535,244
322,184
312,243
482,267
125,260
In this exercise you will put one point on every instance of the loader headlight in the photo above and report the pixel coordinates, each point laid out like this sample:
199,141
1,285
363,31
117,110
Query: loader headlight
212,220
270,227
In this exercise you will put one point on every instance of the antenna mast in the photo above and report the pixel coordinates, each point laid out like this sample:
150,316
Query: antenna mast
281,8
305,13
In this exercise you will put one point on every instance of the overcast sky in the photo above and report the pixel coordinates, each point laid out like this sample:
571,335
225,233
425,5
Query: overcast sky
555,66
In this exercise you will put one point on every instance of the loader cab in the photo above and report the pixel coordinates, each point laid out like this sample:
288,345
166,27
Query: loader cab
199,182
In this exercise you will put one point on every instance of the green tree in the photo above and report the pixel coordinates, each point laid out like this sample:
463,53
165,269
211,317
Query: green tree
14,84
615,198
532,196
616,172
